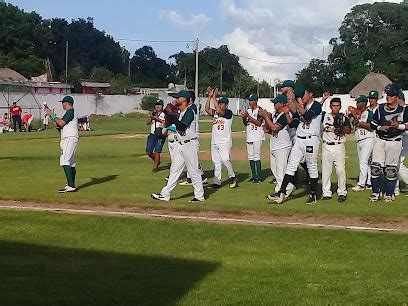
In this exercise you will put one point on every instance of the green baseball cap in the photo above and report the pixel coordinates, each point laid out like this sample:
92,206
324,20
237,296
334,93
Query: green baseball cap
223,100
253,97
401,95
362,98
159,102
68,99
299,91
373,95
280,99
288,83
181,94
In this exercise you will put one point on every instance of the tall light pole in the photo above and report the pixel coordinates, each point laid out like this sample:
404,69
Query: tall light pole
221,79
196,71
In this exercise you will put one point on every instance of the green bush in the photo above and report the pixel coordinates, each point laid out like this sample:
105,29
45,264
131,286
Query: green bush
148,102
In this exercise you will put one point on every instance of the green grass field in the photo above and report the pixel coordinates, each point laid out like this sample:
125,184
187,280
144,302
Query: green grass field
113,168
63,259
53,259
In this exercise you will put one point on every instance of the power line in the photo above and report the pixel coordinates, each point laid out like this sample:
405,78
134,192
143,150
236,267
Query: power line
155,41
259,60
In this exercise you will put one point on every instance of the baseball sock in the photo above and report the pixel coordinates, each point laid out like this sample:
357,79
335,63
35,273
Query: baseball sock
69,176
73,169
390,186
253,170
286,180
313,185
376,184
258,169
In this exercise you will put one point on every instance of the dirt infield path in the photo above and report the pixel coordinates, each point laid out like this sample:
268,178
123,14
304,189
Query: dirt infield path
213,216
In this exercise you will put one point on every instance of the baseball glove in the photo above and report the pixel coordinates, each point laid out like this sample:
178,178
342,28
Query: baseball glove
338,123
171,114
353,112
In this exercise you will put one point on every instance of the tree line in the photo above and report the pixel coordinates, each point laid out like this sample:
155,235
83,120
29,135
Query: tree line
372,38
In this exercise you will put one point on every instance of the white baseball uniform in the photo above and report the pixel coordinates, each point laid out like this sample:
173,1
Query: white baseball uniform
333,152
365,144
254,135
185,153
307,141
69,139
221,143
280,147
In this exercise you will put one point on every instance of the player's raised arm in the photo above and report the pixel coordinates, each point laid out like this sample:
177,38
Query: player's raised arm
207,108
218,109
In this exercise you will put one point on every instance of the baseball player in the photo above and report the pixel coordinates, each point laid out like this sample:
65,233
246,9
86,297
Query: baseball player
221,137
276,124
46,117
194,107
365,137
335,127
68,126
185,153
308,113
389,122
253,121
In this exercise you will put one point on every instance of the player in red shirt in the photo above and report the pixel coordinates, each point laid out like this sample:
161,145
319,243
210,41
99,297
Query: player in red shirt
16,111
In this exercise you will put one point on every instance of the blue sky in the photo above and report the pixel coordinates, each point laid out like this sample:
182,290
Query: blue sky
290,31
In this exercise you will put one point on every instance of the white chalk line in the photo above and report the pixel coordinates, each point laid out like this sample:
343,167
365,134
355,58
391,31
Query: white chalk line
201,218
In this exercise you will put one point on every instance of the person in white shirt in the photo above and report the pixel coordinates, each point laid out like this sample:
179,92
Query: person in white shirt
335,127
255,135
221,137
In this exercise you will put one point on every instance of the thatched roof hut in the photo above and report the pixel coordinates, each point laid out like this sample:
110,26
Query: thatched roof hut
7,74
372,81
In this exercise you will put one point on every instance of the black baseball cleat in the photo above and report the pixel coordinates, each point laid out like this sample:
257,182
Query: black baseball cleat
215,186
195,200
312,199
341,198
233,182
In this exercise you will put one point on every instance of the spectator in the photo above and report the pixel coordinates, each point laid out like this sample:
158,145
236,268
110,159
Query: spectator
16,111
156,138
27,120
46,117
4,123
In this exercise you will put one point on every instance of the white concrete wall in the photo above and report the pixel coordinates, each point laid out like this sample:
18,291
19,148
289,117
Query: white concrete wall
113,104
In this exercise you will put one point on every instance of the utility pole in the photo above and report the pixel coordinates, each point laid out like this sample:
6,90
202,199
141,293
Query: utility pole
221,78
185,78
196,72
129,67
270,88
66,63
258,88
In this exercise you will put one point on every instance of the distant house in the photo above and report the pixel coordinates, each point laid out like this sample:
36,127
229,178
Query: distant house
7,74
94,87
51,88
159,92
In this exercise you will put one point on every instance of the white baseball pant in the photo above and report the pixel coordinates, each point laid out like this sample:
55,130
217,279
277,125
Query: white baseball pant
304,150
185,154
68,147
333,154
254,150
220,155
279,161
364,152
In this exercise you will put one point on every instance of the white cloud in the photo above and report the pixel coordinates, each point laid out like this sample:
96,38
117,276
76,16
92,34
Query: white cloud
195,21
293,31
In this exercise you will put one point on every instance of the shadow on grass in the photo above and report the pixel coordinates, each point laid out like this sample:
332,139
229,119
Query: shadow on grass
97,181
41,275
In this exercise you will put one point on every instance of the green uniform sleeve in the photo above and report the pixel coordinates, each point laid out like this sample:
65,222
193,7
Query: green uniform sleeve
370,115
282,121
69,116
228,114
188,117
